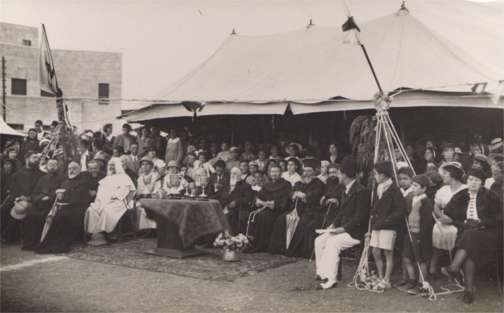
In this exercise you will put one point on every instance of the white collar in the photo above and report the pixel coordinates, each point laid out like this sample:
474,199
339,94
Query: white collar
349,185
405,192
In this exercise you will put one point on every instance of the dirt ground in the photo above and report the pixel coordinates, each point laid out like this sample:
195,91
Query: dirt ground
32,283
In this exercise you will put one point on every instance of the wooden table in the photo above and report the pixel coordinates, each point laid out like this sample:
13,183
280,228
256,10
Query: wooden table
180,223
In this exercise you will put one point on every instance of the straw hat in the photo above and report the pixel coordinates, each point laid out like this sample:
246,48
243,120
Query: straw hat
19,209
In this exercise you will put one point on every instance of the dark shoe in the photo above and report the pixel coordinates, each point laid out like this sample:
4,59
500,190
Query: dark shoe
452,275
318,278
434,276
401,283
468,297
411,287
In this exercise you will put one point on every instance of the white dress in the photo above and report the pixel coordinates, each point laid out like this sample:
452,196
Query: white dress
444,236
148,184
110,204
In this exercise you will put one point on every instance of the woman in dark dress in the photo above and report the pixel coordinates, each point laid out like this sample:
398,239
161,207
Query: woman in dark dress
67,223
477,213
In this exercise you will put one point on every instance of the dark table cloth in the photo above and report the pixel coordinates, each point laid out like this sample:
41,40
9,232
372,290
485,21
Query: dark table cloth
194,218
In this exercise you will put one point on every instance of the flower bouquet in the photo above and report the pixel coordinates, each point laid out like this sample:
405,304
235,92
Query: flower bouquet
231,246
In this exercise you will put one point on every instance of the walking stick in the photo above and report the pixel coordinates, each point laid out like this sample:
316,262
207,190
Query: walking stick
323,226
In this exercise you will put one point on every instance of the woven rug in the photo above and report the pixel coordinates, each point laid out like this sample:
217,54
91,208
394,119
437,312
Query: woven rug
208,267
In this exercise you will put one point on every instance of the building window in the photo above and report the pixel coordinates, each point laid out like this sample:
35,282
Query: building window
103,93
18,86
26,42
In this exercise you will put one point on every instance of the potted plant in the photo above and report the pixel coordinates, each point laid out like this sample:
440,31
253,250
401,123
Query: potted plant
231,246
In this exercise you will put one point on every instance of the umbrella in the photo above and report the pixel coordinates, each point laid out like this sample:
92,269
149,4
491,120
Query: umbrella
292,223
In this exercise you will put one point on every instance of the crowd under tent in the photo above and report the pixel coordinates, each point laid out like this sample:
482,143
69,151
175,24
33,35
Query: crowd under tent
311,82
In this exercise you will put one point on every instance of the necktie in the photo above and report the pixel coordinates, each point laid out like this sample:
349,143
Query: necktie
472,212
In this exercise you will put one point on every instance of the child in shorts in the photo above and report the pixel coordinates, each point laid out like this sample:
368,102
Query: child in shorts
387,213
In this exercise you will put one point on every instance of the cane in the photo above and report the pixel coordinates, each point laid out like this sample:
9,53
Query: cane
323,226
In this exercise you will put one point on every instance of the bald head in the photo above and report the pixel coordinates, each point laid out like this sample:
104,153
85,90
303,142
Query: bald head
74,169
52,166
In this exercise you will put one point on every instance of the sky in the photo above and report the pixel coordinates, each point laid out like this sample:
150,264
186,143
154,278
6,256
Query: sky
162,40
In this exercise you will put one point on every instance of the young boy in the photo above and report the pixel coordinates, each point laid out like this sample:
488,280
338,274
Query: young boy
405,180
387,213
418,247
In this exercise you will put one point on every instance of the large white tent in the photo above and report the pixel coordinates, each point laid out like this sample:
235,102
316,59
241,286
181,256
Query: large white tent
313,70
6,130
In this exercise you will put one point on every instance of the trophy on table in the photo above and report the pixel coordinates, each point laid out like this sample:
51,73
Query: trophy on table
203,178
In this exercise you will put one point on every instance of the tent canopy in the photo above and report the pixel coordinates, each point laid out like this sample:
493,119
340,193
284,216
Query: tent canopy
6,130
313,66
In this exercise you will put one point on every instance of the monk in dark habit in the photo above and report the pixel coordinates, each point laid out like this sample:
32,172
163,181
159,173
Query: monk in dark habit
73,198
43,197
294,231
236,202
21,186
271,201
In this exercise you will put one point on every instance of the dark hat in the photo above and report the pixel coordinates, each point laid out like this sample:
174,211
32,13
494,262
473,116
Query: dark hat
314,164
147,159
349,167
334,165
126,125
220,163
476,172
384,168
423,180
481,158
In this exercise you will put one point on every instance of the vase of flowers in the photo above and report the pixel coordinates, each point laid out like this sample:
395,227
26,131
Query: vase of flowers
231,246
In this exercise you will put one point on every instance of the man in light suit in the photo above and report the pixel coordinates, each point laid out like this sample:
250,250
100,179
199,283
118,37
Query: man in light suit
347,228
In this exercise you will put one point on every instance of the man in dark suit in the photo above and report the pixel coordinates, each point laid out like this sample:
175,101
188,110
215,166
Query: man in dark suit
218,183
348,227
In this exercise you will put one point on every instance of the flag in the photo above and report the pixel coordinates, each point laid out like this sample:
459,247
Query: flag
351,31
47,72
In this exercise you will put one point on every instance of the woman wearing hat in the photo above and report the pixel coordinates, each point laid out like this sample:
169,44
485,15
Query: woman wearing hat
477,213
172,183
148,184
444,234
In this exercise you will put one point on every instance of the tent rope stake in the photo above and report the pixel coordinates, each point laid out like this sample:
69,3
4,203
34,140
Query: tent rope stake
363,279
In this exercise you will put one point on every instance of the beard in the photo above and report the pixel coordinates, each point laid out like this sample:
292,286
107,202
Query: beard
72,175
307,179
332,180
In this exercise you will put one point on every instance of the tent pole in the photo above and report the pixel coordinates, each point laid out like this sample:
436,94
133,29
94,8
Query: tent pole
4,91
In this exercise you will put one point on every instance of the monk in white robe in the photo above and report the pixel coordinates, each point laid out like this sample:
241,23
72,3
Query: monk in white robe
113,198
149,184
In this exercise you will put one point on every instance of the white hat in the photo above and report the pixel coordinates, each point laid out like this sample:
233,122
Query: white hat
19,209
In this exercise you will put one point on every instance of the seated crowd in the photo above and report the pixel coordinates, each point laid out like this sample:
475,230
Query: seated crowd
288,200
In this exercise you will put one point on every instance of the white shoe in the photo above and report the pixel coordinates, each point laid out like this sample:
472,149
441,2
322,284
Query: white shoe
328,284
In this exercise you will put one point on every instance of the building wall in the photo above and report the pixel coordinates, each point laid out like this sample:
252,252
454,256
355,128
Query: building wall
78,73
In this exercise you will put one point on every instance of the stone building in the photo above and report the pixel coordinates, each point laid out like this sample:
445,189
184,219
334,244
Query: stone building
90,81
